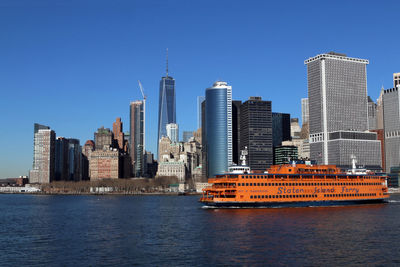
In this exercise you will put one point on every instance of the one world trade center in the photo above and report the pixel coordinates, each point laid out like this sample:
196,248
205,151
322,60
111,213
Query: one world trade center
166,104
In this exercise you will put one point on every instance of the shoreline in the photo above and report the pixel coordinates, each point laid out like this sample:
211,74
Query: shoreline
107,193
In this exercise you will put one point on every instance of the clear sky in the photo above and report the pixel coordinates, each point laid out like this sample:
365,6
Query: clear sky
74,65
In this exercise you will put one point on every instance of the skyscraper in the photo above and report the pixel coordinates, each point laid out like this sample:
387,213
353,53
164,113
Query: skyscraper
236,131
304,110
280,128
118,134
74,160
137,137
36,128
338,111
103,139
379,110
396,80
256,132
173,132
391,115
372,114
200,100
218,120
166,104
61,161
186,135
43,168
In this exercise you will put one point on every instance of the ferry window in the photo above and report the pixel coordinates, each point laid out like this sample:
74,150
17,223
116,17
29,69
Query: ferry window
269,184
251,184
258,184
247,184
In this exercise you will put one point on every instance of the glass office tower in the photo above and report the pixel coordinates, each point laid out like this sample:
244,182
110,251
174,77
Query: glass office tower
218,121
137,125
166,105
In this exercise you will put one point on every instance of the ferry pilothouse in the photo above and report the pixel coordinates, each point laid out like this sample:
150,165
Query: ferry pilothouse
299,183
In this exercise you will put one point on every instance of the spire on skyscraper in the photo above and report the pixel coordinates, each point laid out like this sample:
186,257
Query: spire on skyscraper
167,62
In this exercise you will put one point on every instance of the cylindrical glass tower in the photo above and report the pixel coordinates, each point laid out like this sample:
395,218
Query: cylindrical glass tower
218,128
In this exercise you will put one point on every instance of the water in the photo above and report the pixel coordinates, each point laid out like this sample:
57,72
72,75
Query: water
175,231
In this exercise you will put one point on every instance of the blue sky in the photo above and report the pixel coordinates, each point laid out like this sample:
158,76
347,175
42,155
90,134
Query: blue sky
74,65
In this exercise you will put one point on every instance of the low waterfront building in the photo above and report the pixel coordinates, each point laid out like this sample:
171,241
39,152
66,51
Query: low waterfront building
200,186
172,169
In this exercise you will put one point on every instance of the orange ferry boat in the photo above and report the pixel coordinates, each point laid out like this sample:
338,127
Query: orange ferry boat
294,185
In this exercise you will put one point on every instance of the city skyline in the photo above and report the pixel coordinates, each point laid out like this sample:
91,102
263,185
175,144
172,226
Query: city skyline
79,71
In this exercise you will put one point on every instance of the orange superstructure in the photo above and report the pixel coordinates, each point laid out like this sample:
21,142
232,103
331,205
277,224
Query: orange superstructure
295,185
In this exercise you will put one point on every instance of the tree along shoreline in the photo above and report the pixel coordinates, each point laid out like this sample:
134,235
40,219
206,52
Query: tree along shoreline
136,186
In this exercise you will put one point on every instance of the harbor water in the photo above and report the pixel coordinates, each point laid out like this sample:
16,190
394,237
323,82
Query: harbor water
59,230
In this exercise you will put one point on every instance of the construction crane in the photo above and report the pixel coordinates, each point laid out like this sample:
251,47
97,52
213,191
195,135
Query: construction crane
144,116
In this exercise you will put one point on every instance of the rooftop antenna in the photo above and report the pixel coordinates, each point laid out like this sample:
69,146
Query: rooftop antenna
167,62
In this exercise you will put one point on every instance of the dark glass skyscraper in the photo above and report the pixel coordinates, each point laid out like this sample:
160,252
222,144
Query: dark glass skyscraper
137,121
236,131
280,128
256,132
166,104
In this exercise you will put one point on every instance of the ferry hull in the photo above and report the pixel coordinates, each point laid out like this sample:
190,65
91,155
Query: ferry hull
292,204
